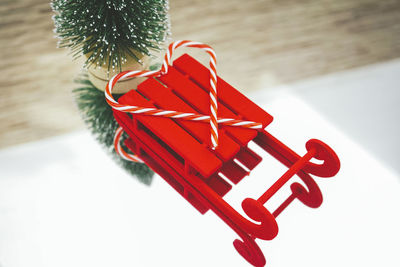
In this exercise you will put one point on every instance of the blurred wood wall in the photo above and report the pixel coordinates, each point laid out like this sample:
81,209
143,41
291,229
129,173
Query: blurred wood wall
260,43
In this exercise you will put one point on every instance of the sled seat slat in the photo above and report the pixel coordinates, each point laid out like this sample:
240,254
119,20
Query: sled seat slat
164,98
175,137
195,96
219,185
234,172
135,129
228,95
200,101
249,158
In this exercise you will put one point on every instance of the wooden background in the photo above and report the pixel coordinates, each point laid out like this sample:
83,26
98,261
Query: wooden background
260,43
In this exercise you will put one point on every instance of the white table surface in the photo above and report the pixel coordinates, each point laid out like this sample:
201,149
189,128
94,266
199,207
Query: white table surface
63,202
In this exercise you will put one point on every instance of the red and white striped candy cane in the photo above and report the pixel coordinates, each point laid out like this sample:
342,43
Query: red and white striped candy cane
212,118
213,81
120,151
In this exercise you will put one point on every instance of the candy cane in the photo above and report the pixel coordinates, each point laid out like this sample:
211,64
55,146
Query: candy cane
212,118
120,151
213,81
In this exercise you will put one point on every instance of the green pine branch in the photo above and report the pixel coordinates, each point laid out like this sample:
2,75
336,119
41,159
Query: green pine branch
98,116
108,31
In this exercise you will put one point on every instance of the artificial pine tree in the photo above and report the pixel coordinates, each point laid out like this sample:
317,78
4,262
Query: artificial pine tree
113,36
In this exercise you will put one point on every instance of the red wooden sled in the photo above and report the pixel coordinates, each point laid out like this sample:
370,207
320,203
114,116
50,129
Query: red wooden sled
179,151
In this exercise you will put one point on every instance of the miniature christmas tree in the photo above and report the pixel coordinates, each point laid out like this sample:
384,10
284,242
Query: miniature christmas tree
113,36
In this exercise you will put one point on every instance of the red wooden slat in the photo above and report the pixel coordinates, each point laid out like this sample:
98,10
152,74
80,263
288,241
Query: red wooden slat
164,98
200,100
219,185
226,93
249,158
130,126
202,208
227,148
175,137
234,172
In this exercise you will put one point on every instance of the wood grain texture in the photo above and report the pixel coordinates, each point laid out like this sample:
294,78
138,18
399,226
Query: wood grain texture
260,43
